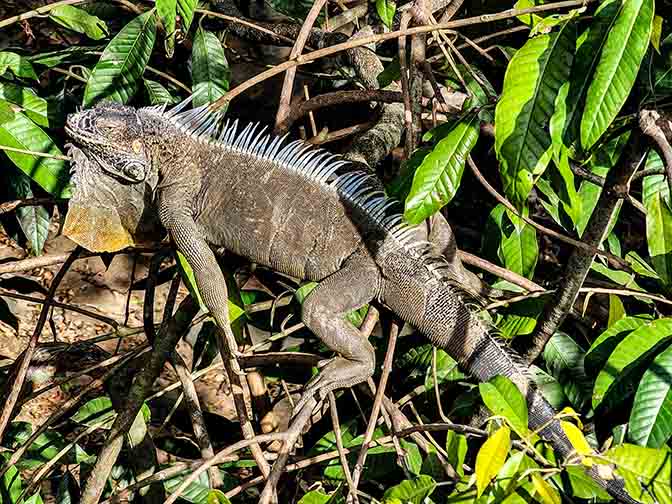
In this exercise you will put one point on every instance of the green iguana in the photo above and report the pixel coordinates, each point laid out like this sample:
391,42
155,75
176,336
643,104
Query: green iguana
283,206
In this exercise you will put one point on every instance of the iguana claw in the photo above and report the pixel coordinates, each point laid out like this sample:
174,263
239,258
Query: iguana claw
335,373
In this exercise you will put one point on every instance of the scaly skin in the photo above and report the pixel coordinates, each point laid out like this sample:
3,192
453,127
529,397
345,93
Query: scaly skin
274,208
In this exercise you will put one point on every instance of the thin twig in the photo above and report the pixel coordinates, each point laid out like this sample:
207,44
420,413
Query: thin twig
35,153
615,260
219,458
377,402
15,384
164,344
336,424
579,262
64,408
306,58
288,84
56,304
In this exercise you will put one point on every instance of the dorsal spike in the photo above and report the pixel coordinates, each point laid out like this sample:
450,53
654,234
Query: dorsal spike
259,141
249,142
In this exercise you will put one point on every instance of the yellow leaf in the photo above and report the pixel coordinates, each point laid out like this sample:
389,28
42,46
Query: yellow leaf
656,30
491,458
578,441
547,493
567,411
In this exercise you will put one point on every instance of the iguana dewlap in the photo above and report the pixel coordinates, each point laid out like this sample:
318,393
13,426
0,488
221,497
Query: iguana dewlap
284,206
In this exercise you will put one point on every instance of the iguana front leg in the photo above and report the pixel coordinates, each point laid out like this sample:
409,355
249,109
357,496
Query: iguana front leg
189,240
324,312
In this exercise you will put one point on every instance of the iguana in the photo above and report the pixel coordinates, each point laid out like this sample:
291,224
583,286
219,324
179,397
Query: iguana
294,209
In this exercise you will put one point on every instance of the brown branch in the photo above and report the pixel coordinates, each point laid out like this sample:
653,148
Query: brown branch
8,206
14,385
614,260
64,408
578,265
652,124
336,425
377,402
164,344
337,98
306,58
297,49
49,260
504,273
219,458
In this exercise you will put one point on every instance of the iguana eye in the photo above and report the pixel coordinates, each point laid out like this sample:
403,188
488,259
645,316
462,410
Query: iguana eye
133,171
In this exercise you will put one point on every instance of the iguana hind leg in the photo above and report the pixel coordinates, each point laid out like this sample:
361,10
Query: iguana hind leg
324,313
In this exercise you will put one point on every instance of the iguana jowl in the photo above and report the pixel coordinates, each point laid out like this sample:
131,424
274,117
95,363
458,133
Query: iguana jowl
282,206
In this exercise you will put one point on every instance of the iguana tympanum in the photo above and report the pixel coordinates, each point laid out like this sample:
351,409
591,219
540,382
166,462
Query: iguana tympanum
285,207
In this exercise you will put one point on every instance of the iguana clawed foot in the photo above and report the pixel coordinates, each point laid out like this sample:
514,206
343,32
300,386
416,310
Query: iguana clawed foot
335,373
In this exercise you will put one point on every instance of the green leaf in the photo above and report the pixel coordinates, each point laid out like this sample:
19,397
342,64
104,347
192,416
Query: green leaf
447,369
656,32
616,310
185,9
563,178
511,474
31,104
625,361
386,10
549,387
34,219
576,438
98,411
646,472
80,21
16,64
583,486
565,362
547,493
413,491
599,351
10,484
651,415
659,236
491,457
456,448
209,68
531,84
118,72
158,95
315,497
504,399
236,307
217,497
199,491
34,499
167,11
512,241
438,177
72,54
653,184
619,63
51,174
566,121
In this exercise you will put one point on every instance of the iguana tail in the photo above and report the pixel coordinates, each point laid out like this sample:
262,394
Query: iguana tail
416,289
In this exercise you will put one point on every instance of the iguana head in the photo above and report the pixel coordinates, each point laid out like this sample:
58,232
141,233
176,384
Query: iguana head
114,178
